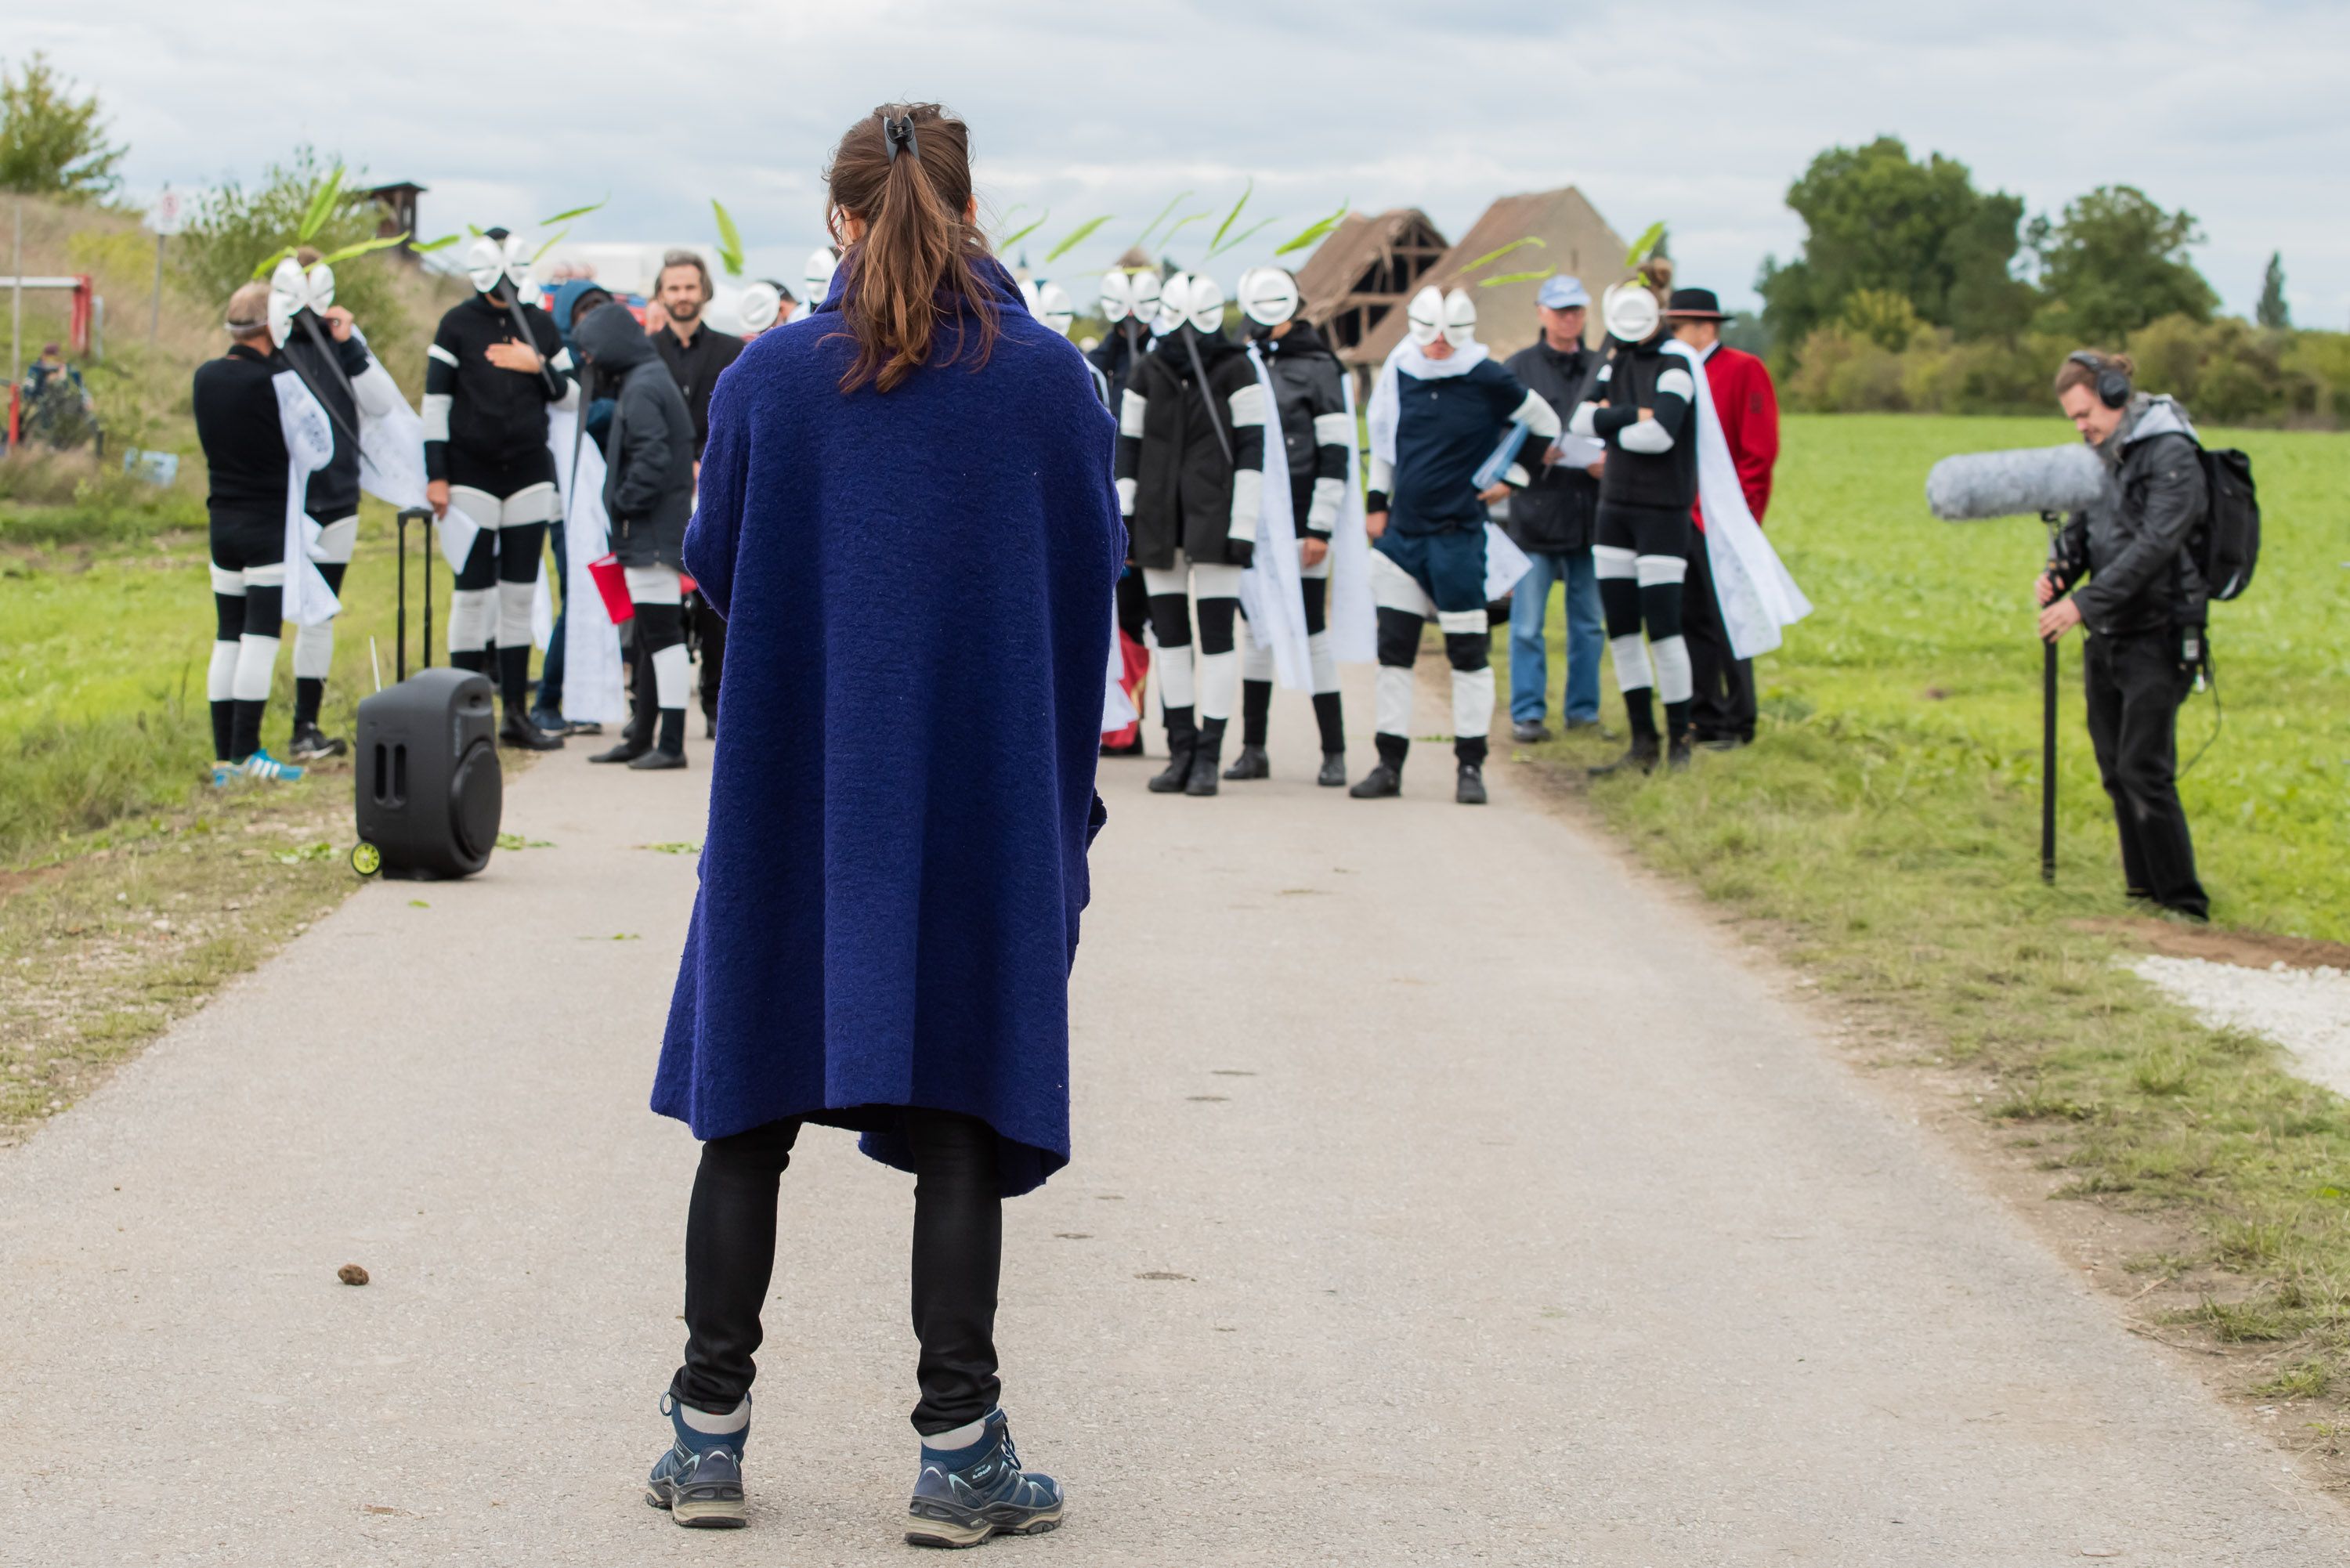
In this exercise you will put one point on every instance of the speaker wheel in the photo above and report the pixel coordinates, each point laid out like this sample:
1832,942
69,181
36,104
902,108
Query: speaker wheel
366,859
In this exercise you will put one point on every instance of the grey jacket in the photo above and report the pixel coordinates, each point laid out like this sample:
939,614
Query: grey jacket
649,452
2132,546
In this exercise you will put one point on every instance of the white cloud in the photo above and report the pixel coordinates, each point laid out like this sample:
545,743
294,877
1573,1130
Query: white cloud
1701,114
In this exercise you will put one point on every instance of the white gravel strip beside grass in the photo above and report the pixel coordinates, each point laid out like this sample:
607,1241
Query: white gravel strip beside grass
2306,1010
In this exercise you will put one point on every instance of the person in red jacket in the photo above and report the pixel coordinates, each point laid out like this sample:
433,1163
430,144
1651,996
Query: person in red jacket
1721,712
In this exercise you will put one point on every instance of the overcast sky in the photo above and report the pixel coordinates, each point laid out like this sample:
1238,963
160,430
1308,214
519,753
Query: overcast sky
1700,113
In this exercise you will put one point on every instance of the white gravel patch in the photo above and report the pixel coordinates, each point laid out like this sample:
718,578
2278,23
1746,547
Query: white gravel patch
2306,1010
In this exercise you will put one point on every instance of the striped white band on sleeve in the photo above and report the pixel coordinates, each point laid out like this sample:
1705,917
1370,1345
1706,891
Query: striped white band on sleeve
1333,430
1248,500
1647,437
1126,488
437,352
1131,407
1247,405
1540,418
435,415
1329,495
1676,383
562,361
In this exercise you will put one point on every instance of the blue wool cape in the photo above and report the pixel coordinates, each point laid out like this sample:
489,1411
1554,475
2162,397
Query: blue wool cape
917,586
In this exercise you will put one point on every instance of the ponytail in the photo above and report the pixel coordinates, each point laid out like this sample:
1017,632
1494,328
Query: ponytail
905,171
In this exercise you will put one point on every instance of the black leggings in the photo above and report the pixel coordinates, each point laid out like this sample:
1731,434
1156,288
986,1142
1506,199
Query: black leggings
730,1258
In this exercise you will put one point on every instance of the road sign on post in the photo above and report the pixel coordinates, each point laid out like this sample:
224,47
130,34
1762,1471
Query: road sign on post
167,217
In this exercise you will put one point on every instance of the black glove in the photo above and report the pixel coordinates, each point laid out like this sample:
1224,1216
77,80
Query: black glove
1239,552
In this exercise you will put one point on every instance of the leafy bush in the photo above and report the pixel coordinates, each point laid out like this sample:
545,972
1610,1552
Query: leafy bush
233,230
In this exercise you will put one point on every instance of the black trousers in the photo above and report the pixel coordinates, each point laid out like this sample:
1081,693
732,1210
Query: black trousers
2135,686
730,1258
1722,706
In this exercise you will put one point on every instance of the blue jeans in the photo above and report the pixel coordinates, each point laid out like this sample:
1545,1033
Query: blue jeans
1529,664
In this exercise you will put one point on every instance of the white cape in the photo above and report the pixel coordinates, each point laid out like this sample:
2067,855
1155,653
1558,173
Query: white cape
1270,591
593,691
1758,597
1353,618
309,447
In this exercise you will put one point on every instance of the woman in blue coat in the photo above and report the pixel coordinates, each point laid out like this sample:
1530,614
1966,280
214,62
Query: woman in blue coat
906,517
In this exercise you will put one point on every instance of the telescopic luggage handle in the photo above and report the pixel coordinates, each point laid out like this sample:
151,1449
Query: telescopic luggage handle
407,515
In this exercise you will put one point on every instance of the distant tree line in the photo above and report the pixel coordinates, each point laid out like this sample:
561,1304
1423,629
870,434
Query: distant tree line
1915,290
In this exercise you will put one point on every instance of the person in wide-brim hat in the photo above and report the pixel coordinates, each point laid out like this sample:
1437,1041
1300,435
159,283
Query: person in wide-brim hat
1694,305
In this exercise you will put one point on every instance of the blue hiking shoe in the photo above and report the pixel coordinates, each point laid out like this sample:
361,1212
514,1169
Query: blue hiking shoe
262,766
965,1495
699,1480
225,774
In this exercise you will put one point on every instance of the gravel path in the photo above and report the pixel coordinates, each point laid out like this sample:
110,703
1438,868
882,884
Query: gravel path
2306,1010
1442,1195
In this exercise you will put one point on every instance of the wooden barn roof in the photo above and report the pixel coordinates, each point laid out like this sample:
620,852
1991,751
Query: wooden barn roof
1575,240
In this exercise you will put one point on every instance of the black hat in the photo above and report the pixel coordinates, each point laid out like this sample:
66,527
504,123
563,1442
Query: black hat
1694,305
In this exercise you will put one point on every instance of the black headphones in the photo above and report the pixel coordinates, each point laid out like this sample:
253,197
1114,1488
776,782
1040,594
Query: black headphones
2113,383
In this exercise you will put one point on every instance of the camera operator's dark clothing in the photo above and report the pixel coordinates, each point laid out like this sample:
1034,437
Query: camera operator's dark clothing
2133,548
2143,593
1554,513
2135,684
695,367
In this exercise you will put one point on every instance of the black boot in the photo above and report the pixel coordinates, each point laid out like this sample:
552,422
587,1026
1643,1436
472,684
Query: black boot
637,738
669,751
1642,756
1334,770
1469,789
1182,742
1250,764
1204,760
519,733
1386,781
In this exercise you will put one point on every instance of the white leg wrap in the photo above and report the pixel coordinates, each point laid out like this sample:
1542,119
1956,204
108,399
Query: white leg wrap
1393,705
1472,702
1220,682
473,616
1392,587
1175,687
227,583
1631,655
671,676
654,585
220,676
1324,662
1613,561
1256,662
257,660
513,613
1654,569
1674,683
1216,580
314,651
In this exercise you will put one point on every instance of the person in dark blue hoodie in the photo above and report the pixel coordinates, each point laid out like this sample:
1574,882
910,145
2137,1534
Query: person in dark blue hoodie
908,518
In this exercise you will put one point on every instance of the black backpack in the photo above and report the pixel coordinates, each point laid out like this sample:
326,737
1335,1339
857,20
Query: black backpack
2226,544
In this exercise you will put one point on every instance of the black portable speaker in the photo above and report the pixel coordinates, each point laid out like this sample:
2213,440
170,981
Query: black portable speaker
429,789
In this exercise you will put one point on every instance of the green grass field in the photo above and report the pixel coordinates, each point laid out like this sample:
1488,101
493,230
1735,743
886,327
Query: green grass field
1884,831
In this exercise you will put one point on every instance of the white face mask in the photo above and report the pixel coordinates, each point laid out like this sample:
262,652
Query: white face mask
1204,309
489,260
821,265
1174,303
1460,318
1268,295
761,303
1054,308
1630,312
1425,317
292,291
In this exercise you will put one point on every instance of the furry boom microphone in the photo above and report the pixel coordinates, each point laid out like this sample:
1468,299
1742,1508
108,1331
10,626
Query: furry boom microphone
2023,483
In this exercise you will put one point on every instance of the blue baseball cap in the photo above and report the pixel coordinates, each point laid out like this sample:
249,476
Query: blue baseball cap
1559,292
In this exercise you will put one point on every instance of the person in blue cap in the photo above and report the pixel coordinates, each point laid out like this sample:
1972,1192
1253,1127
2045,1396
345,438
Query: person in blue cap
1551,520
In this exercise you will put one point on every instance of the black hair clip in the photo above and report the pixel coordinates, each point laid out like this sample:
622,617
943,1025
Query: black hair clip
898,135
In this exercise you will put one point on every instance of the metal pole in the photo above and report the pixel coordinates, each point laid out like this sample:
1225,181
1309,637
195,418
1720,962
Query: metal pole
2048,764
16,312
155,311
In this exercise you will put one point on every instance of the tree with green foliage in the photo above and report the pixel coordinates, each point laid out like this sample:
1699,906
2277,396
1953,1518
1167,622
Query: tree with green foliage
51,142
2272,311
1876,218
233,230
2114,262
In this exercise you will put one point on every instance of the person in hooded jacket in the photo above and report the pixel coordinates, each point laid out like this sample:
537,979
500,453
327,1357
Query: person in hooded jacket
1190,478
2143,607
1317,438
572,302
649,496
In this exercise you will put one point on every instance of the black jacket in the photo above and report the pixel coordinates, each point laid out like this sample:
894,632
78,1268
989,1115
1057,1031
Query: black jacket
1651,462
695,367
1178,488
1554,514
334,493
2133,548
1111,357
1309,401
485,426
244,442
649,452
